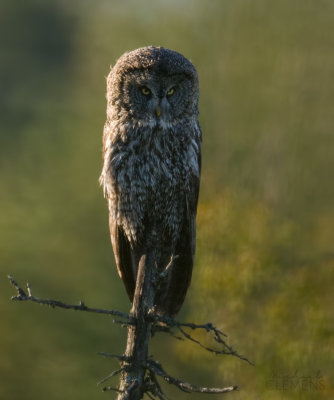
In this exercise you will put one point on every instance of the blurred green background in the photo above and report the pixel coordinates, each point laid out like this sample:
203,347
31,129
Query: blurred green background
265,256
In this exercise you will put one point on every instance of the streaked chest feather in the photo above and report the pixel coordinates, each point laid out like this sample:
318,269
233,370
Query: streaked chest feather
149,172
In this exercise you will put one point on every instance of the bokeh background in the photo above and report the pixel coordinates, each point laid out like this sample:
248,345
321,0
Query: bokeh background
265,257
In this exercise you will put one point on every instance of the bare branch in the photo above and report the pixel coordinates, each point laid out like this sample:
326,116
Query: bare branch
120,358
130,388
166,329
148,395
158,278
110,376
227,350
171,322
109,388
164,273
29,289
23,296
209,327
154,387
156,367
138,373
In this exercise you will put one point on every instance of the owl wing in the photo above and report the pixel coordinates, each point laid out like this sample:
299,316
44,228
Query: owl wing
124,258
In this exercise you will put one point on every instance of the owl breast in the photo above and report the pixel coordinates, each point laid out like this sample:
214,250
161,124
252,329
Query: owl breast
147,176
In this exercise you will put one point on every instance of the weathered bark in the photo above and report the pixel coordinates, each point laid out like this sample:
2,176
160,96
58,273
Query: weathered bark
132,384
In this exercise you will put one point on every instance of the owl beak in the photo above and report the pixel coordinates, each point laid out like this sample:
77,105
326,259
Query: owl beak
158,111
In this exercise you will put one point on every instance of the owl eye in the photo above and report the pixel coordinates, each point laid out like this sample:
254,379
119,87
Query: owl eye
146,91
171,91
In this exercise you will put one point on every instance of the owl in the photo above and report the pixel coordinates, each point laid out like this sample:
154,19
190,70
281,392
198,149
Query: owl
151,168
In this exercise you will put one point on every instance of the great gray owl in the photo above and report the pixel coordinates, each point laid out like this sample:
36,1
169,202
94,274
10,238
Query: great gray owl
151,167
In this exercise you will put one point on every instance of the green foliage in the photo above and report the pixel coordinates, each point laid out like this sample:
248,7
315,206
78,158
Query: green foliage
268,283
264,263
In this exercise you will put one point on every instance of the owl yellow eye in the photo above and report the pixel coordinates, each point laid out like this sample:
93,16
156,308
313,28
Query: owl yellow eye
146,91
170,92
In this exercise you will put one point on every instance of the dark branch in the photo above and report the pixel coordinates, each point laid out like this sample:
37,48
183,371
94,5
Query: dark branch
164,273
154,387
118,371
109,388
120,358
148,395
229,350
133,385
170,323
23,296
156,368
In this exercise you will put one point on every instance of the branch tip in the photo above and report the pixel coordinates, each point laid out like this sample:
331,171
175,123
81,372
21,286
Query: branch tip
166,324
22,296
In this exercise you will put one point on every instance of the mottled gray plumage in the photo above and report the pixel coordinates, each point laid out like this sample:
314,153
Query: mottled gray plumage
151,167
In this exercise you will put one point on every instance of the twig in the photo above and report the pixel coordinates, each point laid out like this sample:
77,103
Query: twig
229,351
120,358
156,367
171,322
110,376
209,327
165,329
160,277
23,296
154,387
164,273
129,389
148,395
109,388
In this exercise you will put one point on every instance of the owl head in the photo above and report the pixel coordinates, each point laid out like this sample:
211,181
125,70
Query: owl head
152,86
